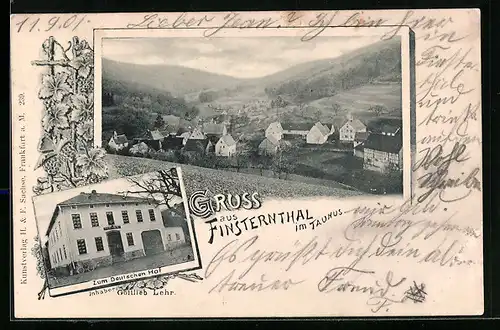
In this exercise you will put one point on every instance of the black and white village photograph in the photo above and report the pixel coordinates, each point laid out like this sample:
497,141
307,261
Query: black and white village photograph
320,114
113,232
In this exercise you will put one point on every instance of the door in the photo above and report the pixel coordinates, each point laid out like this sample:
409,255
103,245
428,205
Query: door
152,242
115,245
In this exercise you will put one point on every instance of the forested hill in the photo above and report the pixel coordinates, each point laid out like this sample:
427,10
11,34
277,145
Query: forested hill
376,63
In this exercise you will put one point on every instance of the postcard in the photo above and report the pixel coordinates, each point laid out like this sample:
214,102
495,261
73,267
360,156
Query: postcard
232,164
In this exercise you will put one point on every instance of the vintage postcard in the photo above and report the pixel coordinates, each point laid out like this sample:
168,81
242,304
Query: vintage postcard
232,164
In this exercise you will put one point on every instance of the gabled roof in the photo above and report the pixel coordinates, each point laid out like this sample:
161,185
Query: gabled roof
356,124
213,128
227,140
385,143
120,139
361,136
94,198
297,126
269,142
198,145
322,128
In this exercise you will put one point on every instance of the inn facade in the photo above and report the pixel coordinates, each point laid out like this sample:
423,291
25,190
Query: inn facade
107,228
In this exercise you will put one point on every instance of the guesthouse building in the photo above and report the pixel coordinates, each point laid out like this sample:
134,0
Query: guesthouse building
348,131
107,228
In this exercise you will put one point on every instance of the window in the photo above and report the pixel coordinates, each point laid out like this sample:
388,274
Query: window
60,254
55,258
98,244
125,217
177,237
138,214
169,237
91,206
94,220
152,215
111,219
82,248
57,237
77,222
73,207
64,250
107,205
60,231
130,239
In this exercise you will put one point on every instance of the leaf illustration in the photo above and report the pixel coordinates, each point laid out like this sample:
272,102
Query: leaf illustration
56,117
93,163
44,158
54,86
86,130
83,108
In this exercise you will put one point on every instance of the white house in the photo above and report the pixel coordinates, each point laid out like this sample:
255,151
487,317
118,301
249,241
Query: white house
318,134
383,153
348,131
197,134
118,141
107,228
226,146
275,131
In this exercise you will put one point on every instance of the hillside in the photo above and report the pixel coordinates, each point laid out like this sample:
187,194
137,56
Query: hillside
176,80
199,178
376,63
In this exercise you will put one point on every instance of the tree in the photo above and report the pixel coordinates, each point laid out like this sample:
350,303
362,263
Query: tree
159,122
378,109
162,187
191,113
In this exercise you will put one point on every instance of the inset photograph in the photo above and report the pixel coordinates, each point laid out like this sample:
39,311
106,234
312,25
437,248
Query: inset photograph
115,232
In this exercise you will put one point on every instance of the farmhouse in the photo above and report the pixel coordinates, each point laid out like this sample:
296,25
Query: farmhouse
152,138
383,153
275,131
268,146
226,146
348,131
118,142
296,129
107,228
198,146
318,134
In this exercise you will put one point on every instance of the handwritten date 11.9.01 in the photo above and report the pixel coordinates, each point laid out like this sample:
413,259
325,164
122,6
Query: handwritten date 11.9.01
46,24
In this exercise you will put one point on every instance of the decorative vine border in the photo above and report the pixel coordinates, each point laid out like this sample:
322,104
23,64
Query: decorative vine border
67,154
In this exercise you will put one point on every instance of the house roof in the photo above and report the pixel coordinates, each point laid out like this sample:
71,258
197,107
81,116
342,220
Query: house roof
391,129
120,139
228,140
213,128
297,126
156,135
94,198
361,136
269,142
198,145
356,124
386,143
322,128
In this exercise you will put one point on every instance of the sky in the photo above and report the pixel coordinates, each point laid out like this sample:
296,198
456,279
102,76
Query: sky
237,57
45,205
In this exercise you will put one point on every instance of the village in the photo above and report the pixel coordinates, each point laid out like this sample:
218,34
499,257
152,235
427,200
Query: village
213,143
